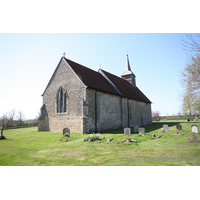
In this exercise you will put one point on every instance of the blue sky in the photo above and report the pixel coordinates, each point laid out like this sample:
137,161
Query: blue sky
27,62
34,35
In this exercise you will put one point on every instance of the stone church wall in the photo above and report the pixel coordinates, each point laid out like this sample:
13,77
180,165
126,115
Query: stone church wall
73,117
115,112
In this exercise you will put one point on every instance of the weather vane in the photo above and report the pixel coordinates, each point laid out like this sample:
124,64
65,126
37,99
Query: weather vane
64,54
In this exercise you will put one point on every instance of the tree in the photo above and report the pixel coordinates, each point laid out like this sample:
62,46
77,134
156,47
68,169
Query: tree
20,117
189,102
11,117
3,120
156,115
191,76
191,73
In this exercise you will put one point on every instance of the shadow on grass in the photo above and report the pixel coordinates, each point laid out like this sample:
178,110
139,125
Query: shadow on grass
148,128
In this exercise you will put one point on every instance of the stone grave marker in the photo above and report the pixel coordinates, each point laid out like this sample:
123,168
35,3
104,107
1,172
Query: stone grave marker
136,129
66,132
165,127
193,125
194,129
192,137
127,131
2,136
196,118
191,118
179,127
141,131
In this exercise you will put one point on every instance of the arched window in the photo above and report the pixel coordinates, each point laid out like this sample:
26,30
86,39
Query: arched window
61,100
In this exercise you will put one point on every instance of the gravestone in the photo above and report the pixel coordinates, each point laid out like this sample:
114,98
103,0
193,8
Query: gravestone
127,131
193,125
136,129
179,127
192,137
194,129
141,131
196,118
165,127
66,132
2,136
191,118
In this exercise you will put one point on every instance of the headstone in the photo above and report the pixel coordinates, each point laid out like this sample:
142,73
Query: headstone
136,129
66,132
1,128
193,125
192,137
2,136
188,120
194,129
141,131
191,118
127,131
179,127
165,127
197,118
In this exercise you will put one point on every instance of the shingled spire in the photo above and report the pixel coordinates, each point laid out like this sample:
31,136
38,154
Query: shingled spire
128,74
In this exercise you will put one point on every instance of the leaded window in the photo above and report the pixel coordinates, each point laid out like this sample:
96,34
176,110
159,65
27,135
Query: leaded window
61,100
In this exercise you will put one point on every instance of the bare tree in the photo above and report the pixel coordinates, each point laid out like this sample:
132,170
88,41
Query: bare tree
20,117
191,73
3,120
11,117
156,115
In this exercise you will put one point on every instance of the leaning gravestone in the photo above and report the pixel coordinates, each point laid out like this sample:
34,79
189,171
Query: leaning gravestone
179,127
192,137
136,129
196,118
66,132
2,136
165,127
194,129
141,131
127,131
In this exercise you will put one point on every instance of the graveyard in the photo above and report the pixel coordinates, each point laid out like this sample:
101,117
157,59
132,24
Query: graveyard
163,143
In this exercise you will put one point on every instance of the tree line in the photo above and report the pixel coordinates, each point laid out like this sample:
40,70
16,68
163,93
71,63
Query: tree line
16,120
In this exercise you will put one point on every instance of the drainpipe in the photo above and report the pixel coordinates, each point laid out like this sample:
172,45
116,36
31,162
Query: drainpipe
122,123
128,112
95,100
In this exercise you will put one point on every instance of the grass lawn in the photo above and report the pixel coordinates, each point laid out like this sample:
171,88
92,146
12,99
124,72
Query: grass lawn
28,147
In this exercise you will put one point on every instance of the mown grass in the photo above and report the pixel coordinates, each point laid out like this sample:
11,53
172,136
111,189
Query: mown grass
28,147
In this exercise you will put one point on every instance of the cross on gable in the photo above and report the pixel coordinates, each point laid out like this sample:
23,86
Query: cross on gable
64,54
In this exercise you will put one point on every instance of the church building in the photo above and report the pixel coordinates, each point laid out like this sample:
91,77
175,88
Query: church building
86,101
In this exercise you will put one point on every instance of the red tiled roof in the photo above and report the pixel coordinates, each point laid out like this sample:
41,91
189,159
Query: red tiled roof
96,81
91,78
126,89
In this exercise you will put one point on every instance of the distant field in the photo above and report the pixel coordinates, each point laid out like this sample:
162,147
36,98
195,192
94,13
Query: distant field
28,147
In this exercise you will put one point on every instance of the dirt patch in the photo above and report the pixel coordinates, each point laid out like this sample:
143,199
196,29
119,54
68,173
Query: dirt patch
74,153
82,158
96,159
104,153
145,153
